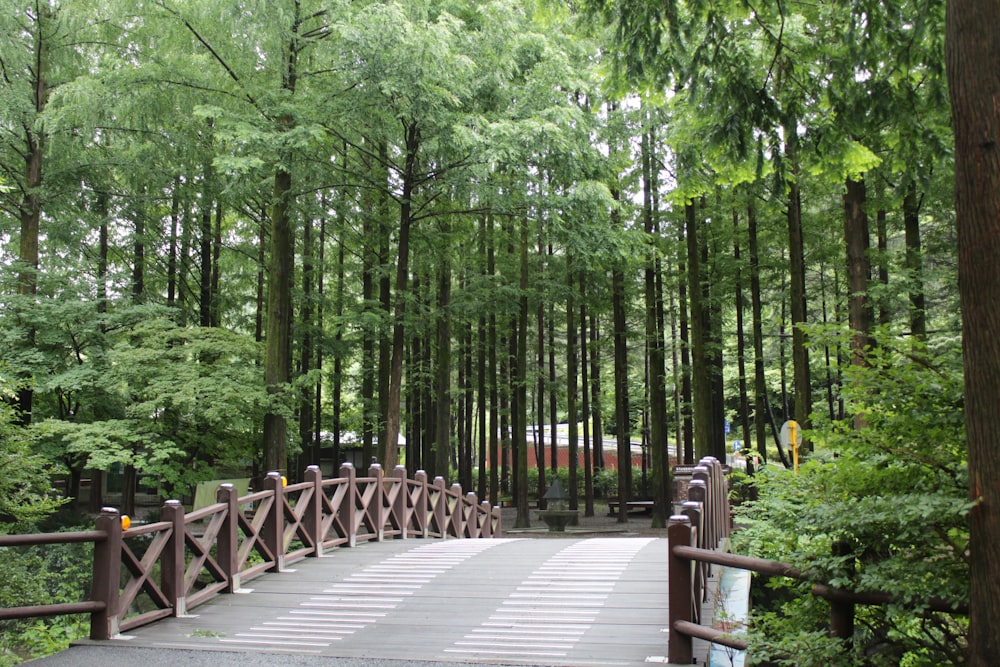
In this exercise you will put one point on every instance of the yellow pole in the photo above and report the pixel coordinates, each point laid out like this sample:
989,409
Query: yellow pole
793,439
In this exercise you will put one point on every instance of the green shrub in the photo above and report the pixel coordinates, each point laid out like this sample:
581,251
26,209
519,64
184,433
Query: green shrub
891,491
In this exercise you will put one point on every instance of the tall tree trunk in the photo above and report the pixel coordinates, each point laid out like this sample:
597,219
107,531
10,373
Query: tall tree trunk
700,374
595,393
215,309
588,466
655,362
741,364
572,380
797,283
712,322
882,237
205,238
686,391
175,221
493,372
278,353
139,254
320,336
541,449
760,407
856,236
520,389
442,375
622,422
973,67
262,242
307,396
553,394
338,358
31,204
914,262
390,438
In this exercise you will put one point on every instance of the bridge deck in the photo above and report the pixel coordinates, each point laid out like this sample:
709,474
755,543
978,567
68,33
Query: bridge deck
581,602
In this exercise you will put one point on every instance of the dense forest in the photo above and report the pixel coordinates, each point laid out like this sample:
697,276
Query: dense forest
247,236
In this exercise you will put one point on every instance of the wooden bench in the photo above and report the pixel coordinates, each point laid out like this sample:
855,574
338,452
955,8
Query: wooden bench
644,506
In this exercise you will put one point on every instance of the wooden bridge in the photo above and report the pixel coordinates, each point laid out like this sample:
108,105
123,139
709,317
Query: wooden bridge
196,581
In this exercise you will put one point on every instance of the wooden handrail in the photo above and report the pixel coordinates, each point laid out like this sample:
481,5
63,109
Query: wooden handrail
317,514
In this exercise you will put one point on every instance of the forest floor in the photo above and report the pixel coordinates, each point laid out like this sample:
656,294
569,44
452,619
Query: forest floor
639,524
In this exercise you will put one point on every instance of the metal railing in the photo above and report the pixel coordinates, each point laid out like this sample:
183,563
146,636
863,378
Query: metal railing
185,559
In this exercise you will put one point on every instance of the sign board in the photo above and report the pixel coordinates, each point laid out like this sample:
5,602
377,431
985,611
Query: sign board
786,439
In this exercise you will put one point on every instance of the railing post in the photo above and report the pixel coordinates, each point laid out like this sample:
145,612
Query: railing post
473,525
228,539
701,474
458,513
680,647
273,530
378,501
486,518
420,504
694,511
440,507
107,571
312,519
172,563
399,504
698,492
349,503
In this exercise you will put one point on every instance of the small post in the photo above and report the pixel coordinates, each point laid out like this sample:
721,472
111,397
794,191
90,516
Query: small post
376,507
457,520
440,506
486,514
421,505
474,525
698,492
312,518
399,504
347,506
273,530
107,571
228,540
680,647
173,565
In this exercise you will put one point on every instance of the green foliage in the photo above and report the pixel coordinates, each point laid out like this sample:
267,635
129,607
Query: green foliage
889,493
194,398
43,575
25,492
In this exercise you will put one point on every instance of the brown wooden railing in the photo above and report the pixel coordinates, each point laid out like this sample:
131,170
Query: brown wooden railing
185,559
695,536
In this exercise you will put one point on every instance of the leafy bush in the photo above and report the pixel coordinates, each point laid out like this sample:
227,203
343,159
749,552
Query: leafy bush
890,489
43,575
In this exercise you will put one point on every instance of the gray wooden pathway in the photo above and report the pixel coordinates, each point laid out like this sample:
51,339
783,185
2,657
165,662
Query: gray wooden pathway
571,601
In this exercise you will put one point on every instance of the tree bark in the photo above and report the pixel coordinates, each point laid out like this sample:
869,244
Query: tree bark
914,262
857,241
519,391
655,353
973,68
572,383
622,422
278,355
390,439
442,376
797,285
700,379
